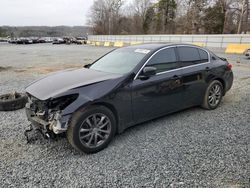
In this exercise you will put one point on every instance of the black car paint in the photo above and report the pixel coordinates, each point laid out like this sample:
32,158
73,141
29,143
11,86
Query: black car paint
135,101
60,82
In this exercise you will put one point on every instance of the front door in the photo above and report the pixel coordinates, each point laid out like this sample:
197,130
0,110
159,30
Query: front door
160,93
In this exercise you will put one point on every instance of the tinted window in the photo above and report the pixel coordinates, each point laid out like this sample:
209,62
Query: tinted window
203,55
188,55
164,60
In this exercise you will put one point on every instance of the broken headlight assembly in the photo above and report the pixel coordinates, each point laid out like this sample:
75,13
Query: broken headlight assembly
58,123
62,102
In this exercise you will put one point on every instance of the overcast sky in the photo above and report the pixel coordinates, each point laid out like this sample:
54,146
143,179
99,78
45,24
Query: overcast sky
44,12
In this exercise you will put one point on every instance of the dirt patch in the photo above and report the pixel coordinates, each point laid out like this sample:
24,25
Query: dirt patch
5,68
47,69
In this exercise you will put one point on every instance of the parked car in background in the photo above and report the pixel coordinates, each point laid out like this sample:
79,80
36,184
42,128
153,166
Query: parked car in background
58,41
125,87
75,41
12,41
41,40
24,41
247,53
45,40
83,40
35,40
2,39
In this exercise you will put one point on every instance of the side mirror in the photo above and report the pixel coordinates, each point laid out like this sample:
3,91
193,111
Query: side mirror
147,72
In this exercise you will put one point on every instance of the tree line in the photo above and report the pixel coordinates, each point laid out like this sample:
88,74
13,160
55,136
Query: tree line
44,31
170,17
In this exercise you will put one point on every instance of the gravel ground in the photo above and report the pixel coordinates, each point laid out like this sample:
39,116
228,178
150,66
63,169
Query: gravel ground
192,148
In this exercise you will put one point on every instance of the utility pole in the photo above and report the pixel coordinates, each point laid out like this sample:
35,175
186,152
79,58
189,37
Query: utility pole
109,20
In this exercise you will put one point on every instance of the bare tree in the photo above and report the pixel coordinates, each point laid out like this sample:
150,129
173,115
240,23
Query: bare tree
141,7
105,15
140,10
170,16
244,14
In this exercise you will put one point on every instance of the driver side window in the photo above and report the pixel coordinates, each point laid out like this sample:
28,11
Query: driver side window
164,60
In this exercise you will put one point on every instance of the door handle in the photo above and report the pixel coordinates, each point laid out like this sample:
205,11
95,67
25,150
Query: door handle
176,77
177,81
208,68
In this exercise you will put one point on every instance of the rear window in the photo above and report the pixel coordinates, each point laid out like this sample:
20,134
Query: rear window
188,55
203,56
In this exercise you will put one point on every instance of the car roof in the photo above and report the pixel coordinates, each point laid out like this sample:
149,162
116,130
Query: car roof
155,46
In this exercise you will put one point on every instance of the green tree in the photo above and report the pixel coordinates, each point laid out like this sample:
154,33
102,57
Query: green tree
166,15
213,19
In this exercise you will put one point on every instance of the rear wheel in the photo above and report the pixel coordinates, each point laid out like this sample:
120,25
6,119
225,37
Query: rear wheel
213,95
92,130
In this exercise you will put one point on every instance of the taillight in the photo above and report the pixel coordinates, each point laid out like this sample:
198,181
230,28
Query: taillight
229,66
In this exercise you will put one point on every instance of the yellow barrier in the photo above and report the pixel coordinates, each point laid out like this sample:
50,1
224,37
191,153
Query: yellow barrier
236,48
88,42
199,44
135,43
107,44
92,43
98,43
118,44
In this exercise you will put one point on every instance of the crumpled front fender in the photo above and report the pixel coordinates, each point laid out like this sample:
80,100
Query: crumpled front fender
92,93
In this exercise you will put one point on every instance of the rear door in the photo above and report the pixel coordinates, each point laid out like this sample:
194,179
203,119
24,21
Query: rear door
195,69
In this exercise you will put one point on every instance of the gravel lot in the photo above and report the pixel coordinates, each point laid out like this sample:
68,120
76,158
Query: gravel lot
192,148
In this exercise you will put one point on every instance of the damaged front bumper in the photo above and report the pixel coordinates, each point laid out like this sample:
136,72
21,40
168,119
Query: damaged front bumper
55,124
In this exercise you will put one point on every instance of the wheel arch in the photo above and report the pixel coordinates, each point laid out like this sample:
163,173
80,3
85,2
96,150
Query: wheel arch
222,81
111,108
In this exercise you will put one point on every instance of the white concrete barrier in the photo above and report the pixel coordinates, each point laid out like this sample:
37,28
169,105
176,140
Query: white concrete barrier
219,41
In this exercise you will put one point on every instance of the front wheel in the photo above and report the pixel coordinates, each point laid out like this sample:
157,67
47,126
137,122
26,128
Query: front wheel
92,130
213,95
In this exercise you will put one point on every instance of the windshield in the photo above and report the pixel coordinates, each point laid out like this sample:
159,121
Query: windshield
120,61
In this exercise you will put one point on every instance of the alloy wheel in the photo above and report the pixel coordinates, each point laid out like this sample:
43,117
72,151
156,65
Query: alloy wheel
95,130
215,94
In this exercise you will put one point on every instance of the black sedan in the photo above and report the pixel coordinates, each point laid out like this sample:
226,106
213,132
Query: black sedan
125,87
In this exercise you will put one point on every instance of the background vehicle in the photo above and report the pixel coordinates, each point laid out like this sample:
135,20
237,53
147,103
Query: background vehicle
75,41
24,41
83,40
126,87
13,41
247,53
58,41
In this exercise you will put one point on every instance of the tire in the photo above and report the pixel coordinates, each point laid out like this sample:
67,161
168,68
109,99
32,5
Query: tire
80,132
11,102
213,95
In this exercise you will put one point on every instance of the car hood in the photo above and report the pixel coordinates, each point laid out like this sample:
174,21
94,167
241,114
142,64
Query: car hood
60,82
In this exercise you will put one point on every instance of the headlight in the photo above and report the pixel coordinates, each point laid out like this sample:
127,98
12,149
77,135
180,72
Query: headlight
62,102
